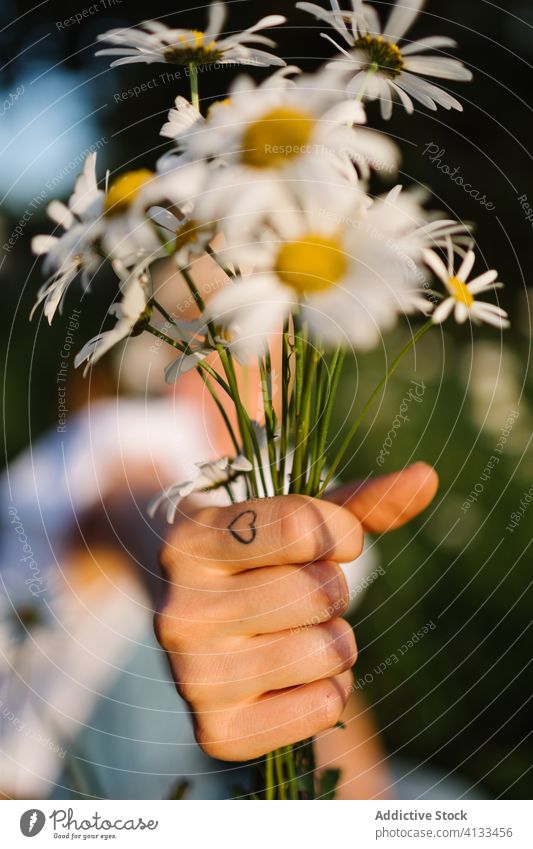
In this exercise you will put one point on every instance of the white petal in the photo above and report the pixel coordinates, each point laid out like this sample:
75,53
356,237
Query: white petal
436,264
438,66
413,86
266,23
357,83
404,97
402,16
427,93
147,58
118,51
483,282
443,311
433,42
217,16
42,244
317,11
466,266
241,464
461,312
348,111
241,295
245,56
181,365
60,213
492,308
501,322
371,17
86,199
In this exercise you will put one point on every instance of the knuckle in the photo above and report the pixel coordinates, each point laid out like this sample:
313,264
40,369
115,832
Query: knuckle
355,539
332,594
211,737
176,545
165,631
331,705
193,693
342,644
299,522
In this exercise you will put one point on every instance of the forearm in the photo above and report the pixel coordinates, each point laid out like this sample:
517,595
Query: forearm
357,752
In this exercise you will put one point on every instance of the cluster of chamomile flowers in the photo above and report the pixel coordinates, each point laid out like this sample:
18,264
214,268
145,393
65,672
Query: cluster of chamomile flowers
273,183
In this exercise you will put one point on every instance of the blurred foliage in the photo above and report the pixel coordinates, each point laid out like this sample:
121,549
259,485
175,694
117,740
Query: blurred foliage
461,695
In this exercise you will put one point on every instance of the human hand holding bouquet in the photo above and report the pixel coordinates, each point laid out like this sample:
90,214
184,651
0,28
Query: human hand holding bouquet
272,183
252,616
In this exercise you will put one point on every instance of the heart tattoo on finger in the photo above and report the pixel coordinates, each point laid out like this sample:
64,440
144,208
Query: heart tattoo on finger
242,527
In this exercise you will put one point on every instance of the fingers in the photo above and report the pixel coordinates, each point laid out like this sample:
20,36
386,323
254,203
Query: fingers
274,720
387,502
261,601
259,665
278,598
291,529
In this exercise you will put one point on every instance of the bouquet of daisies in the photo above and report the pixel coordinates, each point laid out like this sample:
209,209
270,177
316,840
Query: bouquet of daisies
272,183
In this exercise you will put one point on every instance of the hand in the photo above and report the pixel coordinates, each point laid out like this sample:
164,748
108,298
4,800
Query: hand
244,582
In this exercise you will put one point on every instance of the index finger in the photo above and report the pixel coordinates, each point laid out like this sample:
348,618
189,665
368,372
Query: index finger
287,529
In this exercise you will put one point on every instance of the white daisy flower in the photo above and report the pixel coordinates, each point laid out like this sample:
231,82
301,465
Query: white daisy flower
130,211
75,251
210,476
198,349
186,237
183,120
351,270
283,128
114,224
462,299
380,67
131,312
155,42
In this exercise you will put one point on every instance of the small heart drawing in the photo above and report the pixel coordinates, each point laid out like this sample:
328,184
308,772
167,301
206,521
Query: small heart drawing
242,528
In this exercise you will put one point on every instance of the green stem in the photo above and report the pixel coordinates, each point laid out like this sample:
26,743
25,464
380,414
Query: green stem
228,359
193,288
269,775
265,370
320,455
381,385
166,315
218,402
285,407
193,73
214,256
303,417
278,759
248,437
203,366
291,770
242,415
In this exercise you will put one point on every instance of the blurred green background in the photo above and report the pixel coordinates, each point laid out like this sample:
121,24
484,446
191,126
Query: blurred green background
461,695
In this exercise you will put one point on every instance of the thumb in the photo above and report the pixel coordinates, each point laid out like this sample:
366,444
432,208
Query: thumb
389,501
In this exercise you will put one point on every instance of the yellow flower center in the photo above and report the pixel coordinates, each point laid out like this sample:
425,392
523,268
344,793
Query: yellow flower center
192,49
312,264
277,137
187,234
460,291
123,191
218,103
225,335
382,54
